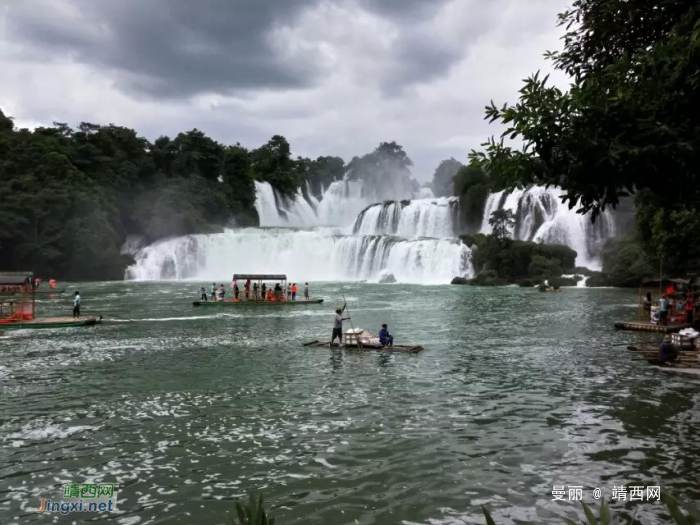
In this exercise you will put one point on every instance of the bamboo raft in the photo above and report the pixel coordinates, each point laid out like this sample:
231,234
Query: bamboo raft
687,359
406,349
51,322
646,326
233,302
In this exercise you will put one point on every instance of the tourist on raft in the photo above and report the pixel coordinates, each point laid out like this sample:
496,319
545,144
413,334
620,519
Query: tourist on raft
255,291
338,326
663,310
204,294
666,351
270,295
278,292
385,338
236,291
690,308
306,291
222,292
76,305
263,295
294,292
647,303
213,292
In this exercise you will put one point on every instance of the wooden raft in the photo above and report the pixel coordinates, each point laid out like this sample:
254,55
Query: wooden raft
52,322
687,359
406,349
646,326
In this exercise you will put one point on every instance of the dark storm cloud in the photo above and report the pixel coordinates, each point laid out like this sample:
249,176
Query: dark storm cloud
166,47
178,48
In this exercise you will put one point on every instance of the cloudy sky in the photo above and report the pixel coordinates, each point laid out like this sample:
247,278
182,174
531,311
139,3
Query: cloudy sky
335,77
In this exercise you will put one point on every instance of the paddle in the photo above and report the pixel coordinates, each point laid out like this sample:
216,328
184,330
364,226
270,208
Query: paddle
345,307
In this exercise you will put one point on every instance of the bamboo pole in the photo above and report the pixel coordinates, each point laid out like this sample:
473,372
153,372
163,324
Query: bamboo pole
345,306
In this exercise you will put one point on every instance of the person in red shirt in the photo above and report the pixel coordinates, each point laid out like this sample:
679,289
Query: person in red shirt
690,308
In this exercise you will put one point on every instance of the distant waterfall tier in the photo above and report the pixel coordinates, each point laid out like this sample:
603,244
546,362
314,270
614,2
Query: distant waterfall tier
303,255
416,218
540,215
338,206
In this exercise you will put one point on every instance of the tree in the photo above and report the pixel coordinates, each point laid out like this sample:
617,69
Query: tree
323,171
502,222
629,121
443,178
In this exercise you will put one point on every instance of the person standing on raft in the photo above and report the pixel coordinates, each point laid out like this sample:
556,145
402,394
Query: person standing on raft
385,338
76,305
338,325
306,291
204,294
689,308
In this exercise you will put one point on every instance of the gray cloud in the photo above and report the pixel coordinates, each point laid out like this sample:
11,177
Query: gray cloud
178,48
166,47
333,76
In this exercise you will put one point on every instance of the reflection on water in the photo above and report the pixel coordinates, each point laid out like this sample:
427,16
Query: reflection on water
188,409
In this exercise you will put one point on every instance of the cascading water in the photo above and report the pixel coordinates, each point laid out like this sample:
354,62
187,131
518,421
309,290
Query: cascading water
420,248
303,255
350,233
417,218
540,215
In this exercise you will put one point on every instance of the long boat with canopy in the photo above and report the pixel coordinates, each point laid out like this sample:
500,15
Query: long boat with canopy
18,305
275,292
675,289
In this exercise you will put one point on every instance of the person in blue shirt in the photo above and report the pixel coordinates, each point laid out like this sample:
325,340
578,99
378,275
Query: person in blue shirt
384,337
76,305
663,310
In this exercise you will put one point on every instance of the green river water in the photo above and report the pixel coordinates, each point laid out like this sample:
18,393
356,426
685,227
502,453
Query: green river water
187,409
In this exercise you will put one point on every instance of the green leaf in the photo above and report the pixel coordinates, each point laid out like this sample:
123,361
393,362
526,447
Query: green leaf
487,515
673,509
592,520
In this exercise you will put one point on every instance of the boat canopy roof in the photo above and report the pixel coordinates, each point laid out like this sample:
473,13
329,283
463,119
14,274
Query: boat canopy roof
260,276
660,282
15,277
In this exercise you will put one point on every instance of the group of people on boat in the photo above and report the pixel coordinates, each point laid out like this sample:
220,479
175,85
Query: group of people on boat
255,292
685,307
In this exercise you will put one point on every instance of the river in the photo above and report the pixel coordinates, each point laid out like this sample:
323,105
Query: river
188,409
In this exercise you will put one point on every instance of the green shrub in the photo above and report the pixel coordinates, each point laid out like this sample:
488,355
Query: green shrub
625,263
542,267
252,513
565,255
597,279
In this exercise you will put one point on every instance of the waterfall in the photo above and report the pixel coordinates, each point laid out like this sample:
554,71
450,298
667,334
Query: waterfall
417,218
303,255
540,215
279,210
353,233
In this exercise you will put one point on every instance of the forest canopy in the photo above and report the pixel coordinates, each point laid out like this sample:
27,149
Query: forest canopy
72,197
